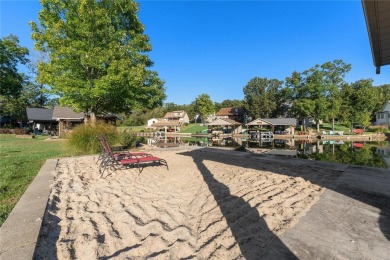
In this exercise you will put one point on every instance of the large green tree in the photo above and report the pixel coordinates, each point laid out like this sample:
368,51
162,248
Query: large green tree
204,106
316,90
260,96
228,103
363,98
97,56
11,54
12,101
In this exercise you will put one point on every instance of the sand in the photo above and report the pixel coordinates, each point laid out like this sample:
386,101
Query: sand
207,205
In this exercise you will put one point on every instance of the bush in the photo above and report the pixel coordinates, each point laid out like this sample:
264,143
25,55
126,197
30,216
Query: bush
128,138
19,131
83,137
5,131
378,129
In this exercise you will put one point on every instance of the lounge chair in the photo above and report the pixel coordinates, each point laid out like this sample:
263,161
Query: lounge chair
139,162
125,160
105,157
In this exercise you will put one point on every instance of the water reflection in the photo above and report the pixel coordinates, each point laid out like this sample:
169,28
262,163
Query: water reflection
374,154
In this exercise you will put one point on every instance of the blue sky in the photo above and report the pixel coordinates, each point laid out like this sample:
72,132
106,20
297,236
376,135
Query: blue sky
216,47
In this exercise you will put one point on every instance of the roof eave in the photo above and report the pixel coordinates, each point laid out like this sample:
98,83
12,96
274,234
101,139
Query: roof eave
371,16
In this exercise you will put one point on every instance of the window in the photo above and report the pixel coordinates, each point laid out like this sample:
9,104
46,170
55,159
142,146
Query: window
382,116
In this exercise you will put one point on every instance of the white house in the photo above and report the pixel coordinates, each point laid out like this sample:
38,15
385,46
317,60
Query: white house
383,117
151,121
179,115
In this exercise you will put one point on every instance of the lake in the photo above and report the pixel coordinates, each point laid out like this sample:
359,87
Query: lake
373,154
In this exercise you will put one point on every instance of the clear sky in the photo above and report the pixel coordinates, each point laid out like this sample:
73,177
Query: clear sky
216,47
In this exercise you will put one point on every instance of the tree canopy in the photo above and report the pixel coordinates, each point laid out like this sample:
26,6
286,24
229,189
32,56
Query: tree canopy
260,96
204,106
315,91
97,56
11,54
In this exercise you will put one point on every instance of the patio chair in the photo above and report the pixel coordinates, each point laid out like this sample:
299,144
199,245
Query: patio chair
122,154
107,153
122,161
139,162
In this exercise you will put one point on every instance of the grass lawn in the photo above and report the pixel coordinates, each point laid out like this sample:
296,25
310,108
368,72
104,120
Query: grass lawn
137,128
20,162
192,128
337,127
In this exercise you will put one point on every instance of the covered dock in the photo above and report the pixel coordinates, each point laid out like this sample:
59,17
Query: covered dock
168,126
226,126
277,125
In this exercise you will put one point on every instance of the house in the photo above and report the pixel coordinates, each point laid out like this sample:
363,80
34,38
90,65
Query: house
53,120
151,121
56,120
383,117
179,115
67,118
233,113
41,120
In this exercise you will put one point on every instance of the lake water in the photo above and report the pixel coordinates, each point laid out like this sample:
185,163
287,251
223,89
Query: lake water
373,154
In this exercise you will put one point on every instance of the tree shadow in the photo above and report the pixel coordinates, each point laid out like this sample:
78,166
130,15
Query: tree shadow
49,233
221,193
249,229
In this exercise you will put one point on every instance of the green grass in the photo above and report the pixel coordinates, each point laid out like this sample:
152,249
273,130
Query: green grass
20,162
137,128
337,127
192,128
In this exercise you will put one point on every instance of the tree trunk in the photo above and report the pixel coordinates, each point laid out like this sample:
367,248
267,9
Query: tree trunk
92,118
333,124
318,125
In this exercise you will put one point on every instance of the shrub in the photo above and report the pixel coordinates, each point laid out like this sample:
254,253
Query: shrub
5,131
128,138
83,137
378,129
19,131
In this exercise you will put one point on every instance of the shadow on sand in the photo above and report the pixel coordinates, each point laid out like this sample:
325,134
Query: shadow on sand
249,229
256,240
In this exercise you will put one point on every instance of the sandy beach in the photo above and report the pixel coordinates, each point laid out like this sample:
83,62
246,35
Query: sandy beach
207,205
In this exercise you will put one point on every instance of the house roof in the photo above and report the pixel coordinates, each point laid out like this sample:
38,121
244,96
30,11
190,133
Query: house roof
274,121
66,113
385,105
39,114
224,122
377,16
180,113
230,111
166,123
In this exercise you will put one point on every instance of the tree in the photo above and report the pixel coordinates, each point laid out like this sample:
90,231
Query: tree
229,103
12,102
363,99
204,106
384,94
97,56
11,54
315,91
260,96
